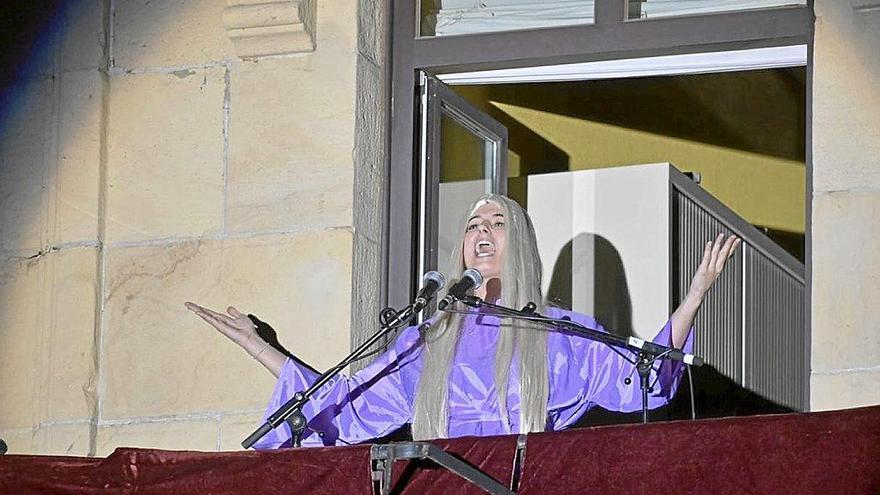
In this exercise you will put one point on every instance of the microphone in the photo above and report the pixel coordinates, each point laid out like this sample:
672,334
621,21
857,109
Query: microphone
431,283
470,279
3,447
674,354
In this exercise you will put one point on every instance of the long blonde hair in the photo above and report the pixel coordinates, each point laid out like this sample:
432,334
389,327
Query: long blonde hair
520,284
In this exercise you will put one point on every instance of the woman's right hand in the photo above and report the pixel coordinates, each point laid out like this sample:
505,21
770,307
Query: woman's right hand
237,326
241,330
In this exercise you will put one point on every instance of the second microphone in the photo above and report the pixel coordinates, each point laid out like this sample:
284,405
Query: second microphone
471,279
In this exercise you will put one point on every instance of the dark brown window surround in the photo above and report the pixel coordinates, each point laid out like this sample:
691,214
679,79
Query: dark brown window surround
610,37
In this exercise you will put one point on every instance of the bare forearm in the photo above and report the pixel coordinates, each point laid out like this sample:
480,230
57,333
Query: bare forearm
272,359
715,256
683,318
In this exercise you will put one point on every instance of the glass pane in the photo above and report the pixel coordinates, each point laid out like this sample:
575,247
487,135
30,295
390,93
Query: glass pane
651,9
466,172
450,17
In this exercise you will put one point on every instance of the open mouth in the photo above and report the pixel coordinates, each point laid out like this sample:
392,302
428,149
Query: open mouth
484,249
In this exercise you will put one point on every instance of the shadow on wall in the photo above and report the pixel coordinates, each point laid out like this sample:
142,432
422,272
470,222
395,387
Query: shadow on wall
49,95
536,154
592,257
29,33
793,242
692,107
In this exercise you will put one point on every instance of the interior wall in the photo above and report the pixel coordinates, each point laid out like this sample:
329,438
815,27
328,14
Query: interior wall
743,132
146,161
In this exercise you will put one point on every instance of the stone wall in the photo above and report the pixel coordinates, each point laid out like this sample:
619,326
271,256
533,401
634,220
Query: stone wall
846,198
164,151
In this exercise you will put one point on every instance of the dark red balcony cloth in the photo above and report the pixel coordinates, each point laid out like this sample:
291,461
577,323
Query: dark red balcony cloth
829,452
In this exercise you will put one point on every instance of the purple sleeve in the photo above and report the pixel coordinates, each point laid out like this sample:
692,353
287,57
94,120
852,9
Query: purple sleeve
373,402
585,373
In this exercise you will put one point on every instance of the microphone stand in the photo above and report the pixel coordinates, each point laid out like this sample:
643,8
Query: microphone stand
291,411
647,352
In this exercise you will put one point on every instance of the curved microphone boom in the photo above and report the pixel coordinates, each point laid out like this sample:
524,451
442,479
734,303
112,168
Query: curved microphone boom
471,279
659,350
431,283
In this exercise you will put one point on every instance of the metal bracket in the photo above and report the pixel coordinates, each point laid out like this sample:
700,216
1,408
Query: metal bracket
519,459
382,459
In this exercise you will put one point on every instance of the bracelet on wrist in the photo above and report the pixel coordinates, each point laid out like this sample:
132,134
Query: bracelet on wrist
257,355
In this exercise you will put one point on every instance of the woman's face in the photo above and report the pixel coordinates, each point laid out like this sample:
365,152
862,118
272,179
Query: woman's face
484,240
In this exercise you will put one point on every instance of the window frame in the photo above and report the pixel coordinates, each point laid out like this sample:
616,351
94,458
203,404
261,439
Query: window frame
610,37
437,100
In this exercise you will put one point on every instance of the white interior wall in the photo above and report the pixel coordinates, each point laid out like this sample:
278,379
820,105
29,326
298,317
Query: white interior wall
629,208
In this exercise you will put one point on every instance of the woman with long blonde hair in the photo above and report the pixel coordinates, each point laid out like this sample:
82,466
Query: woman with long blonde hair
477,373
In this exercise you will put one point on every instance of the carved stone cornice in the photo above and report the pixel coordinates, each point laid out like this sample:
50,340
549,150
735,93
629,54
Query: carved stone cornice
259,28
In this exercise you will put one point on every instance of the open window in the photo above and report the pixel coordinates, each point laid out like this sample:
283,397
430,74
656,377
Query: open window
589,97
462,155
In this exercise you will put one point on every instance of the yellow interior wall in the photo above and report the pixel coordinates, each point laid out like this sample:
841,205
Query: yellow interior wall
743,132
765,190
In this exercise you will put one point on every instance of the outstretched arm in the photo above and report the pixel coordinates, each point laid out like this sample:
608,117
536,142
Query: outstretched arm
715,255
370,404
241,330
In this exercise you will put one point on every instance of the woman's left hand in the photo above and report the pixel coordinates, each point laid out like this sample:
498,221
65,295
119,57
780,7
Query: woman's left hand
715,256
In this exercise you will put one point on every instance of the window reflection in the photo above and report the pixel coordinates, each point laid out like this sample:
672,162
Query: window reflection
466,173
650,9
451,17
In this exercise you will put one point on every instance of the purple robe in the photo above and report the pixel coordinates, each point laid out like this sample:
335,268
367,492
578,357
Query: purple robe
379,399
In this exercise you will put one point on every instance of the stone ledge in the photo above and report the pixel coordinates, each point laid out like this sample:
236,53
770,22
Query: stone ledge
844,390
271,28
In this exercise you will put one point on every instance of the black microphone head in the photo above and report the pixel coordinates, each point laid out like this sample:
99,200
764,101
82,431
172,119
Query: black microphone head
470,279
432,282
3,447
434,276
475,275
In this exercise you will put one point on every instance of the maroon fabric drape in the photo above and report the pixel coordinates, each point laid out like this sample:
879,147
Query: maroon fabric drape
126,471
831,452
834,452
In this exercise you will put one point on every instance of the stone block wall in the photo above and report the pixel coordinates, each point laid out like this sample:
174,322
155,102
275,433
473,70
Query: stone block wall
846,198
159,152
51,150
